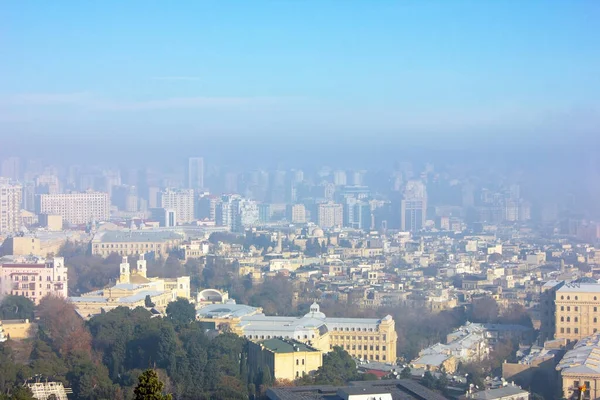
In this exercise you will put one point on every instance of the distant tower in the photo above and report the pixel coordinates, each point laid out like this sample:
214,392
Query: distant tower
141,266
124,277
279,247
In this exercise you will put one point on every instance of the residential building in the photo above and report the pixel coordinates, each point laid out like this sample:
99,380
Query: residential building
548,310
19,329
76,208
181,201
195,173
330,215
579,367
34,278
577,310
296,213
10,207
284,359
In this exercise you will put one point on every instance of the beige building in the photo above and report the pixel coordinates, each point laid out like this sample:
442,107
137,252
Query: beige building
580,366
180,201
51,222
296,213
330,215
76,208
285,359
577,310
19,329
365,338
10,207
128,243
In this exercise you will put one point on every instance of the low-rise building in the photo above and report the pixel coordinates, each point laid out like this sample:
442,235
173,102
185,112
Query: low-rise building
19,329
283,359
128,243
581,367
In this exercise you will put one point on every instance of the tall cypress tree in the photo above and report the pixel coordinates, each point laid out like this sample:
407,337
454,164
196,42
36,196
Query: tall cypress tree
150,387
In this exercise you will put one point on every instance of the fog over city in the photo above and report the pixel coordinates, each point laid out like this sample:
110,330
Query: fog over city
299,199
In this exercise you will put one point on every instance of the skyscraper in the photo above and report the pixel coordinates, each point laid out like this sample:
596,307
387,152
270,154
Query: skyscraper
10,207
181,201
413,206
195,173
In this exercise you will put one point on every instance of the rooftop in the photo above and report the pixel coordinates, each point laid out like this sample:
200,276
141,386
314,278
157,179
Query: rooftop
583,358
137,236
580,288
278,345
498,393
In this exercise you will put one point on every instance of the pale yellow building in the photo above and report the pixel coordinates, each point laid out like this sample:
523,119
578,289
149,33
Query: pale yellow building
577,310
51,222
285,359
580,366
19,329
76,208
131,291
365,338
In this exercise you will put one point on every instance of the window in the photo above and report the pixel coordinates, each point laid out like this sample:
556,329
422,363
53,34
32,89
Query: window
576,330
568,297
595,309
302,361
568,319
576,298
595,298
576,308
383,348
562,330
568,330
562,308
562,319
562,297
568,308
595,319
297,362
576,319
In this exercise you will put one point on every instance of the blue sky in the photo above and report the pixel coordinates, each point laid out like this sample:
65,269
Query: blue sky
204,69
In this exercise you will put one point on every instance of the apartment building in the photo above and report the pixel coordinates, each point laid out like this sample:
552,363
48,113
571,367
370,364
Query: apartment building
285,359
10,207
34,279
577,310
296,213
76,208
181,201
330,215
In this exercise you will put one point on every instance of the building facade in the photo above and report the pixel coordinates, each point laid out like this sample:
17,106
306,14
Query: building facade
285,359
10,207
34,280
330,215
76,208
577,310
296,213
413,207
195,173
135,242
579,367
181,201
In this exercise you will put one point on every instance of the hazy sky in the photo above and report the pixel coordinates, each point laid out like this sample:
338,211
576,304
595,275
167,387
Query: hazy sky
200,72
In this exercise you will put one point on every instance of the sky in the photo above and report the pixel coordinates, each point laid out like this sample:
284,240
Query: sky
195,76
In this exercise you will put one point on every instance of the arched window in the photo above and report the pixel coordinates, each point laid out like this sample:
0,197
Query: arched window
568,297
562,319
568,319
576,319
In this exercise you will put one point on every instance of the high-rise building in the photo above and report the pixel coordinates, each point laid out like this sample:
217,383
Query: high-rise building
195,173
296,213
76,208
413,207
181,201
330,215
10,207
339,178
11,168
357,214
125,198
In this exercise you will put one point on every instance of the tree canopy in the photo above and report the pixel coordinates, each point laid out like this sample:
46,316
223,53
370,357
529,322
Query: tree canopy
150,387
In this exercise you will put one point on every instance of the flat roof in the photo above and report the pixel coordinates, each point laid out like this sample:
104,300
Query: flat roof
278,345
136,236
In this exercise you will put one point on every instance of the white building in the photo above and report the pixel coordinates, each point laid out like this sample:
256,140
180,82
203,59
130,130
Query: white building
330,215
181,201
34,278
10,207
76,208
296,213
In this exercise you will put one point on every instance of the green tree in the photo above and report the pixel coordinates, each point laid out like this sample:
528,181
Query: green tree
181,311
150,387
405,373
337,369
148,301
428,380
16,307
